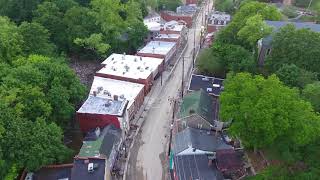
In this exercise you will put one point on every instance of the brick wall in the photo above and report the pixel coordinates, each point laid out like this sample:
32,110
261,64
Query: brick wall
191,2
169,17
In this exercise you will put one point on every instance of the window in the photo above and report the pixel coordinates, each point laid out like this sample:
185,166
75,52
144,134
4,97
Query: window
268,51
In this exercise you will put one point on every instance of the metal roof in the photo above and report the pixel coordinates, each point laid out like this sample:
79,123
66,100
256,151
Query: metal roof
195,167
206,83
109,138
198,102
80,169
279,24
198,139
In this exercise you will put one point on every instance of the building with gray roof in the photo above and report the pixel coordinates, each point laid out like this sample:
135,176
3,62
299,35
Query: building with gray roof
265,44
196,142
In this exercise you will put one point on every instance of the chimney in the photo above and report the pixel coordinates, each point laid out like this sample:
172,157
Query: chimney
97,131
115,97
153,50
209,162
94,93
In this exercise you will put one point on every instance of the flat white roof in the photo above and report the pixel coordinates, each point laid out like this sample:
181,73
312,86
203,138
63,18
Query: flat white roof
153,26
168,36
173,26
130,66
99,105
106,87
158,47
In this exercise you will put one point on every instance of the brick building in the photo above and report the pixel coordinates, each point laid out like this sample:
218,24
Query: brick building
98,154
188,2
159,49
136,69
217,20
133,92
174,27
169,38
170,15
100,112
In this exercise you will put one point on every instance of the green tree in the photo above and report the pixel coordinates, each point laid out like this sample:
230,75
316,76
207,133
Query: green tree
36,39
80,25
95,43
292,46
293,76
169,4
233,57
266,113
312,93
290,11
209,64
225,6
11,41
44,88
18,10
253,12
50,16
254,29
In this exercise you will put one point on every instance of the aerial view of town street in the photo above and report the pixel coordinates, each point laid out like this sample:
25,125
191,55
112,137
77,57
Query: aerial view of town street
159,89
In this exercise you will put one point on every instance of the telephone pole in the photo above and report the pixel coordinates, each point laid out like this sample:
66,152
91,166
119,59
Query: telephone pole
182,79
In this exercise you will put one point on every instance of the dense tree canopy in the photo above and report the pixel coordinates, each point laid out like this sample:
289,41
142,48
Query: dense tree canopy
312,93
247,24
18,10
11,41
292,46
36,39
38,91
234,57
169,4
265,113
293,76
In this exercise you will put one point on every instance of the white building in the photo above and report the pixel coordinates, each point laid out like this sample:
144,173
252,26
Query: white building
108,88
136,69
159,49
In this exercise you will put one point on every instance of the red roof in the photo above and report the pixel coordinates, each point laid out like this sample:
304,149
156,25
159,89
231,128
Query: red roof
228,160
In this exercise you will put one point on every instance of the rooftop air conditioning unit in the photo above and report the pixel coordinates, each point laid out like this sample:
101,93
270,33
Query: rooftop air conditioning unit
205,79
90,168
122,96
106,92
100,88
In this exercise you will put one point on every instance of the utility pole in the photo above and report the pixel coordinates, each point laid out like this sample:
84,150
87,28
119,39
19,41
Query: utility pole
194,45
182,79
309,4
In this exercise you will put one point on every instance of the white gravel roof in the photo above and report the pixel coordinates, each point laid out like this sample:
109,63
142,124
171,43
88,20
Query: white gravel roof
158,47
168,36
173,26
107,88
153,26
130,66
99,105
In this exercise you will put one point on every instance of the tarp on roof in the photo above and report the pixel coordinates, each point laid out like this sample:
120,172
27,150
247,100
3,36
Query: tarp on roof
198,102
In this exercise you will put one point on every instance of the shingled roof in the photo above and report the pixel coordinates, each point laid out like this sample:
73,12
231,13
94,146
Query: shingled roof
198,139
198,102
